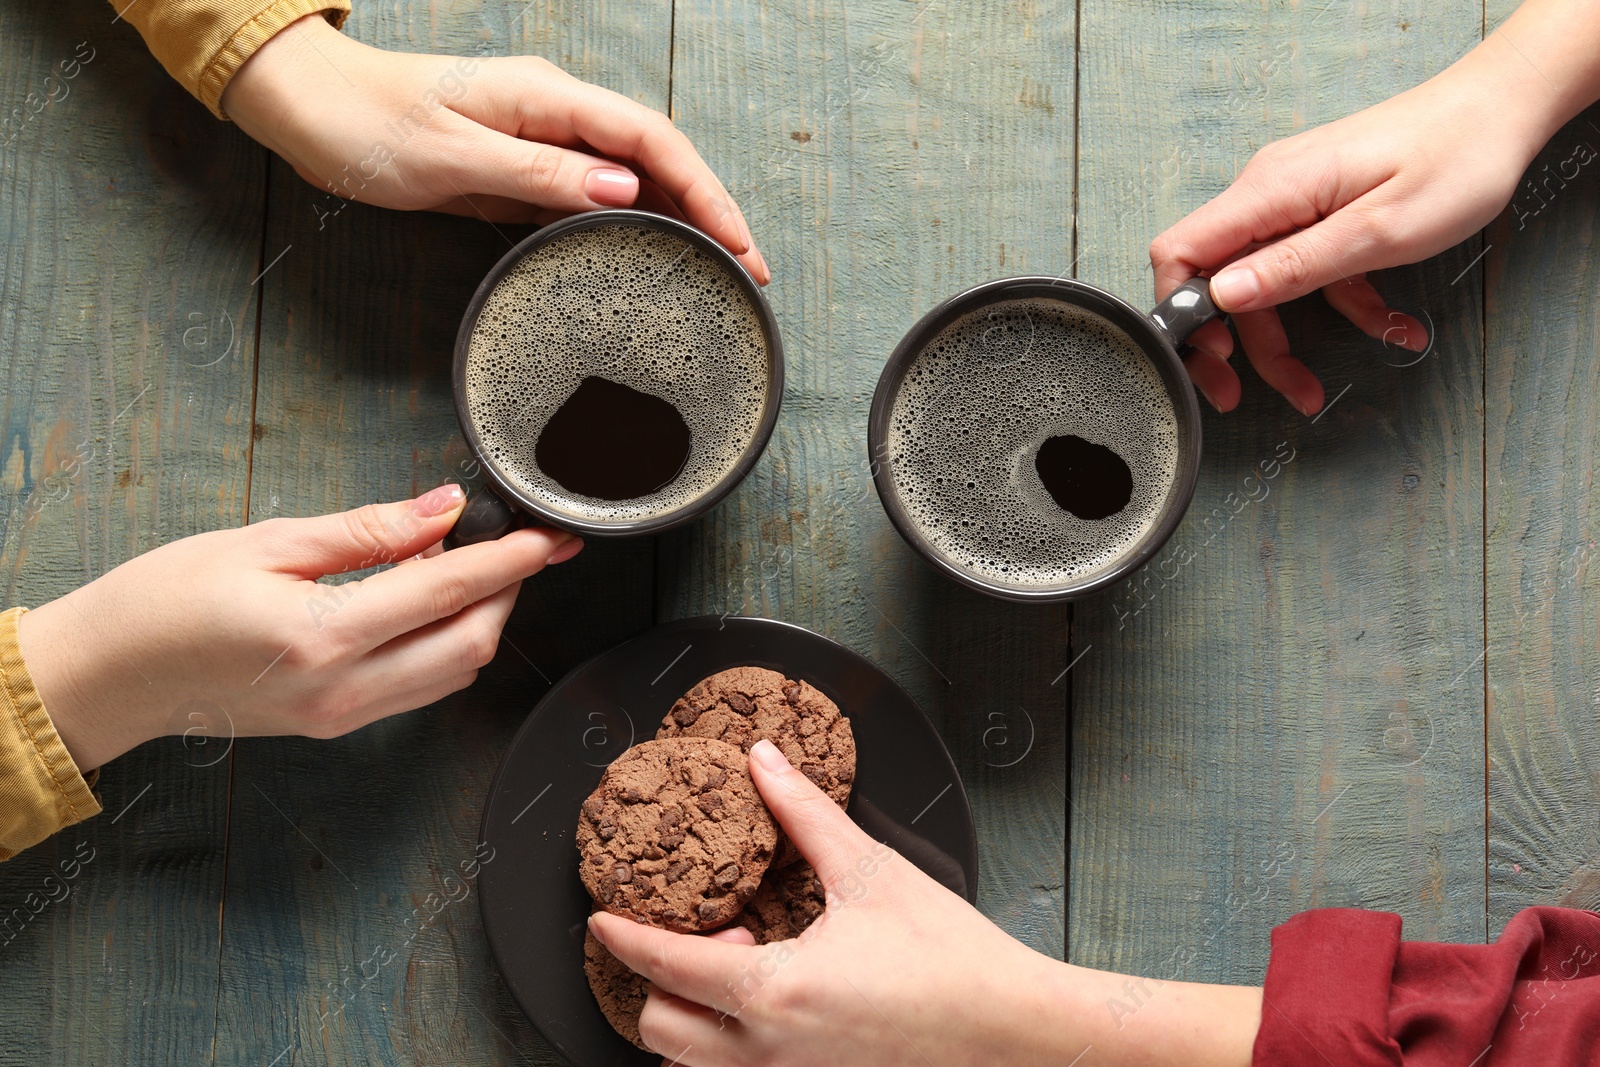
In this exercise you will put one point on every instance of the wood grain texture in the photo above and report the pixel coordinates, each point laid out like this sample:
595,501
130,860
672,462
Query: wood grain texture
1298,717
884,167
1543,573
1293,718
130,226
332,950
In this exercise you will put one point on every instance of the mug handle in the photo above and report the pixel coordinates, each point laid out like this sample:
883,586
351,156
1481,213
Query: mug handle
1185,310
486,517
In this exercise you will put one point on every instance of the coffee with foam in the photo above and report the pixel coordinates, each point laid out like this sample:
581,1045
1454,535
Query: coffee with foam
641,307
974,409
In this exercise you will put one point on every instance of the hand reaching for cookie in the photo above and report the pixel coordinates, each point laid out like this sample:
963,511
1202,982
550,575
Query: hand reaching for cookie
898,969
511,139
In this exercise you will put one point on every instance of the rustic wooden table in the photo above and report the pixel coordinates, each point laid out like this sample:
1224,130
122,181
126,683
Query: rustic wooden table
1374,687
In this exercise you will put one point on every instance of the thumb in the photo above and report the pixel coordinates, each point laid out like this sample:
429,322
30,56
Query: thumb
364,537
1339,247
558,179
828,839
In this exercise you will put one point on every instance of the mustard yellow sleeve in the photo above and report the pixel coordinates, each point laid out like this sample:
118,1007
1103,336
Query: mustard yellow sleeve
41,790
203,43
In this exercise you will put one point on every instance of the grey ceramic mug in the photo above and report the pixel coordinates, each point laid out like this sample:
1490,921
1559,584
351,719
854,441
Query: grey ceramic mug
1159,335
500,506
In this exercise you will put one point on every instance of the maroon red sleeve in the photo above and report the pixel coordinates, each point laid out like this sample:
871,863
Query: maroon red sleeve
1343,989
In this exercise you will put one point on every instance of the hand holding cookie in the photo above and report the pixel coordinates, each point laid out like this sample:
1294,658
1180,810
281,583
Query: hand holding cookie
677,837
892,945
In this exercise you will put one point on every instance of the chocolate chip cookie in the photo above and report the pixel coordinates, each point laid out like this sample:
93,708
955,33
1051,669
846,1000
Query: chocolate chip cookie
787,902
620,992
676,835
746,704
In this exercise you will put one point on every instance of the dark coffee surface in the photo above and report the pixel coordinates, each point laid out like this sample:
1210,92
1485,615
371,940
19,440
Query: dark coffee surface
639,308
1087,479
611,442
1032,443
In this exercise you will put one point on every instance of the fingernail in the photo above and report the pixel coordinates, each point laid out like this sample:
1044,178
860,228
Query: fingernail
766,753
447,497
566,550
612,186
594,928
1232,288
766,271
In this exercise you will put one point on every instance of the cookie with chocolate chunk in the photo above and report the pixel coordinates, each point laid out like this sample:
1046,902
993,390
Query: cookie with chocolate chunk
746,704
675,835
788,901
619,991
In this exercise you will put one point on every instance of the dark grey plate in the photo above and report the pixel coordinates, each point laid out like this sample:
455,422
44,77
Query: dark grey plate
907,794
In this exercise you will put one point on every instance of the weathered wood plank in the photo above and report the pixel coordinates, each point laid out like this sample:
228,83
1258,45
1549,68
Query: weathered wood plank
1294,718
338,843
130,226
1543,661
883,169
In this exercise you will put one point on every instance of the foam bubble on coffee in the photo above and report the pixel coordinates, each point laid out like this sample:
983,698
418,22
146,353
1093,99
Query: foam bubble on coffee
972,411
642,307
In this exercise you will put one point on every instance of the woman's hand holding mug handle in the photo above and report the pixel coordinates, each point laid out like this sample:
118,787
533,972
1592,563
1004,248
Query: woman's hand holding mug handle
236,623
1394,184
